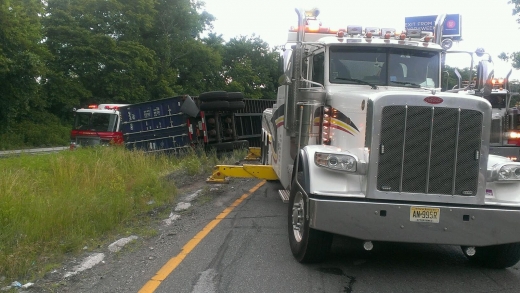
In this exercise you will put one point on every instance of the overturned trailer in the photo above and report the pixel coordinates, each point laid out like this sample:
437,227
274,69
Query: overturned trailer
218,120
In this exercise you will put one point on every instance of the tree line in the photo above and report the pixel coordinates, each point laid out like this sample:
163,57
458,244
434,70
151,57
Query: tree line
56,55
514,57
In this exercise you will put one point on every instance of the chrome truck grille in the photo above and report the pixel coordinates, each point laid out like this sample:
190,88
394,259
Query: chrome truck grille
429,150
87,141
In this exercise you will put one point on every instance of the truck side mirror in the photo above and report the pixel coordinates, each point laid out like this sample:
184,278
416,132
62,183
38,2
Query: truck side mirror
284,79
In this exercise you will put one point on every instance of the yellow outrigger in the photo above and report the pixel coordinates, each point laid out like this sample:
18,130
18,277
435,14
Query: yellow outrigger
221,172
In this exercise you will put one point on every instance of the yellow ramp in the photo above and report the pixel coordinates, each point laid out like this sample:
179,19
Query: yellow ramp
221,172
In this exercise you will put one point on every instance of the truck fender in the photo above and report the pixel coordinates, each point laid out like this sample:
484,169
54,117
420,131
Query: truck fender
303,165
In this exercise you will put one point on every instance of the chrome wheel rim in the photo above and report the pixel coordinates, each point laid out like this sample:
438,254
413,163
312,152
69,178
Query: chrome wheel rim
298,214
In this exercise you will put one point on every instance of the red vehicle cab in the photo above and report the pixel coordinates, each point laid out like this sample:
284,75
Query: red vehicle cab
97,125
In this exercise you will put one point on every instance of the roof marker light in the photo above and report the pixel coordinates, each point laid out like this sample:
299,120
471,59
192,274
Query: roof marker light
390,31
375,31
354,30
413,33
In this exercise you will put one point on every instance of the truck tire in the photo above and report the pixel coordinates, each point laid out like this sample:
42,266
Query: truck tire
235,96
496,256
213,96
216,105
236,105
264,150
307,245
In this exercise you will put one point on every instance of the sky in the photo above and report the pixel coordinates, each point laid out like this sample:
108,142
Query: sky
488,24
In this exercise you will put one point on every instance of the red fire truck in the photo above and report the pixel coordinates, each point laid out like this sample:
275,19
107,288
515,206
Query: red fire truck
97,125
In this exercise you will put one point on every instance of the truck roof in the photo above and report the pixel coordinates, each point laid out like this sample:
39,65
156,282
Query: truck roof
314,31
328,38
107,111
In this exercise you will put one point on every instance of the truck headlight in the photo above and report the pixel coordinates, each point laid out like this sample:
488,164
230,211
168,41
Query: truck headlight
340,162
505,172
509,172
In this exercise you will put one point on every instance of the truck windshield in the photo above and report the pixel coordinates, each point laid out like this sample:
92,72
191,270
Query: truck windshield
384,66
497,100
95,121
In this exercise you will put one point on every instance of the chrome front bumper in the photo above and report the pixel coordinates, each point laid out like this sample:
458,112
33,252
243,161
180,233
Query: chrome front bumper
383,221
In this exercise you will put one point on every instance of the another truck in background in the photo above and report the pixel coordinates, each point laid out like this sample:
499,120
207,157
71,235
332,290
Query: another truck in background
505,118
97,125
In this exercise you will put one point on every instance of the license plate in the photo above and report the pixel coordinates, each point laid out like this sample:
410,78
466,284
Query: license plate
425,214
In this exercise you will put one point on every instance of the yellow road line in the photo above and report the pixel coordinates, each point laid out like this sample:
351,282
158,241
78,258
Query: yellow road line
172,264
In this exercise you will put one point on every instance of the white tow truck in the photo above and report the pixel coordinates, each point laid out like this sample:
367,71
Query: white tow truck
366,145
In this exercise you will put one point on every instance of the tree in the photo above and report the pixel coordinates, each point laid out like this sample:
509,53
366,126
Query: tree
449,79
201,70
97,51
177,25
514,57
22,60
251,67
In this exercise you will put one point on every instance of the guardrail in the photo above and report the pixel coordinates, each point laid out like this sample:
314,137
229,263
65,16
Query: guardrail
37,151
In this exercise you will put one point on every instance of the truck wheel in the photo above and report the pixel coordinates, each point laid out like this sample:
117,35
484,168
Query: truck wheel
307,245
496,256
235,96
264,150
216,105
236,105
213,96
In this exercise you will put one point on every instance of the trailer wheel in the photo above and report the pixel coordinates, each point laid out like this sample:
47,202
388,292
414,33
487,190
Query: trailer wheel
213,96
307,245
236,105
216,105
495,256
235,96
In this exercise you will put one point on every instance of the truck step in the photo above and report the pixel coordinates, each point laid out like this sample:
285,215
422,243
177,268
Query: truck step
284,194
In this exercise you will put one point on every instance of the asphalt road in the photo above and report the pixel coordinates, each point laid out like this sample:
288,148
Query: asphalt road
36,151
248,251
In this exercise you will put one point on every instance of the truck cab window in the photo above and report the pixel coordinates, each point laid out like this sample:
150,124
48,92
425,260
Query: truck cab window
384,66
413,68
497,100
348,64
95,121
318,68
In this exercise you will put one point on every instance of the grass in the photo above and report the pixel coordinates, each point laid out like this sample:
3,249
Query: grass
51,205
